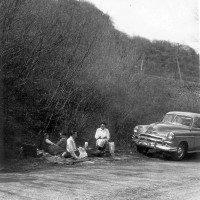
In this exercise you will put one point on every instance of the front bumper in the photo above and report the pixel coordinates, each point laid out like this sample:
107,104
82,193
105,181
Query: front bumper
155,145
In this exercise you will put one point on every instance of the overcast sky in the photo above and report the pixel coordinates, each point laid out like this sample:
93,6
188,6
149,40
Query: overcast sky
171,20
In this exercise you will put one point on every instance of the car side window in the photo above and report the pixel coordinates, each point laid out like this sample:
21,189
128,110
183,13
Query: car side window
197,122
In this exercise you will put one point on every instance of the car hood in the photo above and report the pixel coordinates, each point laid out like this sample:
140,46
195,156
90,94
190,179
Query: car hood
165,128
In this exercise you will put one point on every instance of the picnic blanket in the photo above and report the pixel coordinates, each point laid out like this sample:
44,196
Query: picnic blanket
58,160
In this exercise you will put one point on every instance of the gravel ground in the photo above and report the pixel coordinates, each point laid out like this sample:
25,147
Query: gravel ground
130,176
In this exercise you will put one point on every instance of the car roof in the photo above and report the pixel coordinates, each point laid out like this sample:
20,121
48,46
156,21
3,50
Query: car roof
189,114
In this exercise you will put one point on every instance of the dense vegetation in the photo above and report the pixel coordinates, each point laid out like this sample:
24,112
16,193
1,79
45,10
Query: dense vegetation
65,66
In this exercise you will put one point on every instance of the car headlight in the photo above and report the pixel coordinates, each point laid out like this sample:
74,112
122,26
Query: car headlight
136,129
170,136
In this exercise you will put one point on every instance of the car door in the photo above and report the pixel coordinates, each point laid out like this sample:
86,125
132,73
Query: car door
196,133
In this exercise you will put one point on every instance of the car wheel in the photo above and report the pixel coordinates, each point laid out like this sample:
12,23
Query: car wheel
181,151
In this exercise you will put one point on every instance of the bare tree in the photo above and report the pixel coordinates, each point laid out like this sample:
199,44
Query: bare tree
196,38
1,96
1,117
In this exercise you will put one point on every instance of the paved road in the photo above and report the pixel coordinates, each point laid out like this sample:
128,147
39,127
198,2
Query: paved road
151,178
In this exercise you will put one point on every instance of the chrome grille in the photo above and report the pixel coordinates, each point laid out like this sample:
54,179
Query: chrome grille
151,138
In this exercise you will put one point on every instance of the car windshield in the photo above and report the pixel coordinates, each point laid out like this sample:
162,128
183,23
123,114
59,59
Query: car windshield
177,119
168,118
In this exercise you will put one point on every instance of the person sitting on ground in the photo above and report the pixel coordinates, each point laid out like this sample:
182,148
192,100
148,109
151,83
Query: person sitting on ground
102,137
51,147
63,140
72,151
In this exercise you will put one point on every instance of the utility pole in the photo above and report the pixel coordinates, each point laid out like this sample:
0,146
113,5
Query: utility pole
141,66
177,61
199,69
142,63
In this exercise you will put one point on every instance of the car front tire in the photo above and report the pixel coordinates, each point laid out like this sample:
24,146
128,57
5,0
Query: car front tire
181,152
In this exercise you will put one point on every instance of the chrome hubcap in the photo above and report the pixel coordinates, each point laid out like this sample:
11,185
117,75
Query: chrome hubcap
180,151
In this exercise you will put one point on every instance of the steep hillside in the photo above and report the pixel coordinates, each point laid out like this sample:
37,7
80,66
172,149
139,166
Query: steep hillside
66,67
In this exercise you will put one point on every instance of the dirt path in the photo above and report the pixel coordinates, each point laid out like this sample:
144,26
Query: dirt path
137,179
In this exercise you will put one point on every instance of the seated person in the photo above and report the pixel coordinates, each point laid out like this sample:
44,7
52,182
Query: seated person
102,137
63,140
51,147
72,151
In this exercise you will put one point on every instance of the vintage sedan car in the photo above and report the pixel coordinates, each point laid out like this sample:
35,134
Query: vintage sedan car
176,135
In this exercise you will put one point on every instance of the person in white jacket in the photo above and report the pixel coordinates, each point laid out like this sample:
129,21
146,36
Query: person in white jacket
72,151
71,146
102,137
